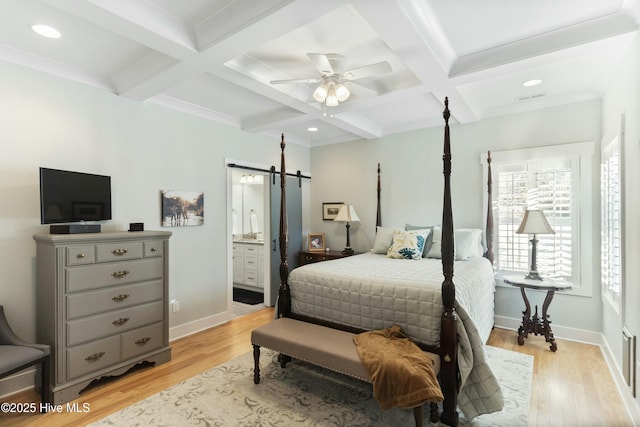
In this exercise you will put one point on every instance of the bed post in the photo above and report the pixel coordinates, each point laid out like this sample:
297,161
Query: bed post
378,217
284,296
489,229
448,337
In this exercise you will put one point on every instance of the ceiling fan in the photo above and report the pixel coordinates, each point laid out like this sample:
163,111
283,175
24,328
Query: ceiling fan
332,89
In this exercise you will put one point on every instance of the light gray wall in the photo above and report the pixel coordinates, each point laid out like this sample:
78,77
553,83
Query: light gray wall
47,121
412,186
623,98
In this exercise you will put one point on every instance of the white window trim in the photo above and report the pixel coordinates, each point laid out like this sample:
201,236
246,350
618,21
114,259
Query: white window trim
584,151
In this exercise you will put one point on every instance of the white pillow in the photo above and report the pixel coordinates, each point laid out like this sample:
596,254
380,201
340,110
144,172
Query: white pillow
468,243
408,244
436,241
384,238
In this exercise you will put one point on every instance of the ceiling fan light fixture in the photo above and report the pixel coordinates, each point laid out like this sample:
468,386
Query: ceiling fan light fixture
320,94
342,92
332,98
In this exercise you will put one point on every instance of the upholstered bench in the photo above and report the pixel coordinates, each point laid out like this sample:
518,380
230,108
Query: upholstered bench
326,347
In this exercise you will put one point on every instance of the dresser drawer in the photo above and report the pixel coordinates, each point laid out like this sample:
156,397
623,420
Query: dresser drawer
252,249
79,255
93,356
94,302
153,249
82,278
108,252
250,262
251,277
141,340
113,322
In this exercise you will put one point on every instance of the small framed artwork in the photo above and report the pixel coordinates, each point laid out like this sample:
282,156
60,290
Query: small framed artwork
330,210
182,208
316,242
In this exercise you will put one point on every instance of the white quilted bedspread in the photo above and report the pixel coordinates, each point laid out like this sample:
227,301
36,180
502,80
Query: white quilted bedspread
371,291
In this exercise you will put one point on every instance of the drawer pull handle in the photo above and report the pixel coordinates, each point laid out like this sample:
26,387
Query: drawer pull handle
81,255
120,298
143,341
154,250
94,357
119,274
119,252
120,321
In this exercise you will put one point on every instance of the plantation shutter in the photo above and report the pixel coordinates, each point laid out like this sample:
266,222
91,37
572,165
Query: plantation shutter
547,185
611,239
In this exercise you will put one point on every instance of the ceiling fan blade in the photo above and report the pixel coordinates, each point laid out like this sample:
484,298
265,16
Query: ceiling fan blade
327,64
382,67
278,82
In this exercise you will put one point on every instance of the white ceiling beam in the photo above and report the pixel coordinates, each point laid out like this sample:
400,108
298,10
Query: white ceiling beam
416,52
55,68
135,20
585,32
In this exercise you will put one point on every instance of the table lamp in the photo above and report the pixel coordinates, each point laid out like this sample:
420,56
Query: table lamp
534,222
347,214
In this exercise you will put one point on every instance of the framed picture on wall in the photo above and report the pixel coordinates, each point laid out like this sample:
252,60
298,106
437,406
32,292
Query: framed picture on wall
316,242
182,208
330,210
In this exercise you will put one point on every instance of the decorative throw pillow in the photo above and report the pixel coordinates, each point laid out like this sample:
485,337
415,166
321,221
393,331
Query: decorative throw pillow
429,242
384,238
408,244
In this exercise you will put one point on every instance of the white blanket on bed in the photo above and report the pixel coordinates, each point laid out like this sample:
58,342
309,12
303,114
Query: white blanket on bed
372,292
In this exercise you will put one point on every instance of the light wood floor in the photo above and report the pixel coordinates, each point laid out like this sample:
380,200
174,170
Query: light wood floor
571,387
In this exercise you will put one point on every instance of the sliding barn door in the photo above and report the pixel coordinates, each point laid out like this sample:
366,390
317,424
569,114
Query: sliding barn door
294,218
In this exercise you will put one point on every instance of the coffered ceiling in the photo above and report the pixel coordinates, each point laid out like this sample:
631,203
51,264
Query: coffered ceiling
216,58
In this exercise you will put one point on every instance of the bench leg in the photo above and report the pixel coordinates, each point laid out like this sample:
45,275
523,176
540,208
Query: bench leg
433,411
283,359
256,364
418,415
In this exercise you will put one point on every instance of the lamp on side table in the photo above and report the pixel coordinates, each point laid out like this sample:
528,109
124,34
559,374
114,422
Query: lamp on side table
347,214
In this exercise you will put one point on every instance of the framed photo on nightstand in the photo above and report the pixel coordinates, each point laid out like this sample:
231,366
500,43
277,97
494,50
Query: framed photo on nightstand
316,242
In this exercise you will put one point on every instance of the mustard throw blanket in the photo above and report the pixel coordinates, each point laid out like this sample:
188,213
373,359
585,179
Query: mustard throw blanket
402,374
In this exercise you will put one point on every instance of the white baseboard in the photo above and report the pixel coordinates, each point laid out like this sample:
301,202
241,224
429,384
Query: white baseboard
190,328
594,338
16,383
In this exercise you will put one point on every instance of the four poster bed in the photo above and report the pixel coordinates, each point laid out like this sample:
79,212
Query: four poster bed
373,291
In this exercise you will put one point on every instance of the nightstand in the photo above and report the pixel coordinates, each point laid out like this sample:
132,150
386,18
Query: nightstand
307,257
534,324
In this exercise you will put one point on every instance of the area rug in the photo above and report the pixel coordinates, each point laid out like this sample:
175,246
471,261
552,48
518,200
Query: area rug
247,297
304,395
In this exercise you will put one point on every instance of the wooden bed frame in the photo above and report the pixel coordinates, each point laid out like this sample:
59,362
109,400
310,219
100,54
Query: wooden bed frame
448,346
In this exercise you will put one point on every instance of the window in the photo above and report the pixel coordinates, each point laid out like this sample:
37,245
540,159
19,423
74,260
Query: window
611,227
556,180
545,185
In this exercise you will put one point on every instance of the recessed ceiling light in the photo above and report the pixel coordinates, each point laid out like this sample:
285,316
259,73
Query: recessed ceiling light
533,82
312,129
46,31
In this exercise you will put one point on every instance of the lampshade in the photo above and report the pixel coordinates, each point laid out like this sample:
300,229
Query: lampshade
320,94
342,92
534,222
347,213
332,99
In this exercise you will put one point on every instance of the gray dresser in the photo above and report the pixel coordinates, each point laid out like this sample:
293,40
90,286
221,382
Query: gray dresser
102,301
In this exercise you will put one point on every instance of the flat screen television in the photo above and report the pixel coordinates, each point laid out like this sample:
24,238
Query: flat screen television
73,197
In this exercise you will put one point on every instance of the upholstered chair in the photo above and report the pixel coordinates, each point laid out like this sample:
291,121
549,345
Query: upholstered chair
16,355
